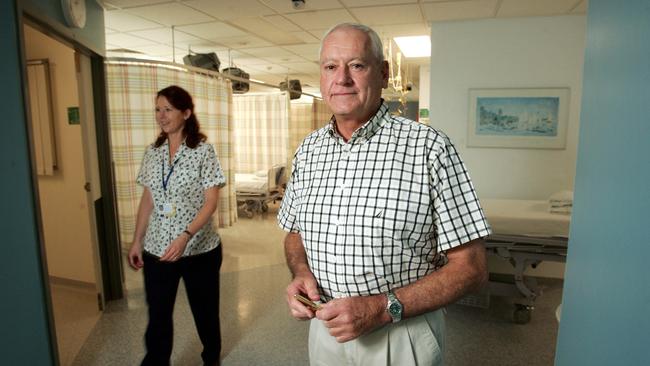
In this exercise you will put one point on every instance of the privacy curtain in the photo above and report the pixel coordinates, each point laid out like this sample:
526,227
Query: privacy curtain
307,115
260,123
132,88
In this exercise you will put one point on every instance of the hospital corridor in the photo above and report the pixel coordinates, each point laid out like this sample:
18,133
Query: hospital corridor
258,329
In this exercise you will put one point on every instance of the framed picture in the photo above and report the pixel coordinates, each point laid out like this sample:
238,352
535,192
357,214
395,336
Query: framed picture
533,118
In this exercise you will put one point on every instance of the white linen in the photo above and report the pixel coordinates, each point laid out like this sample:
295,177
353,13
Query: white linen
251,183
525,217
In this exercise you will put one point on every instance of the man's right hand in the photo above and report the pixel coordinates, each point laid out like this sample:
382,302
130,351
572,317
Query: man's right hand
305,285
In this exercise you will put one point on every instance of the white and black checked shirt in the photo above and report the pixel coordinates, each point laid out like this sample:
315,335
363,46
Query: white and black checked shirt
379,211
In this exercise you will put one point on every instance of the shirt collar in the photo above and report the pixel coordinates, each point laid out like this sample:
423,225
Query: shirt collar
368,129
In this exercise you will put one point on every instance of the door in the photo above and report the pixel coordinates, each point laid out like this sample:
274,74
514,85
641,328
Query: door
67,182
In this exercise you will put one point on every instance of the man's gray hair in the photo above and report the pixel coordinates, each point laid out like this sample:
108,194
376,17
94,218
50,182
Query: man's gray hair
376,47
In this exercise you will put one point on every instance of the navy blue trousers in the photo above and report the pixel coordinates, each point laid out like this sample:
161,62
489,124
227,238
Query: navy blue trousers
200,274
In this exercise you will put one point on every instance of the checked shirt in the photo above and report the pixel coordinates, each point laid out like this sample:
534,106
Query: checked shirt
378,212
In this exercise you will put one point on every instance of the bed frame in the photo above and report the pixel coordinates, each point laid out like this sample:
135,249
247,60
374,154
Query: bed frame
252,202
522,252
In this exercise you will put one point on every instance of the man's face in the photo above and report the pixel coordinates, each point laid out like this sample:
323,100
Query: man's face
351,79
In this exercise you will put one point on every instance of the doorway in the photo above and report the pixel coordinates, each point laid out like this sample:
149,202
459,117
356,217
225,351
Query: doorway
66,174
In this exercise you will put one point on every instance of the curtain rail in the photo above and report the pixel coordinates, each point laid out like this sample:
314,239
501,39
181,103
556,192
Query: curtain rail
117,60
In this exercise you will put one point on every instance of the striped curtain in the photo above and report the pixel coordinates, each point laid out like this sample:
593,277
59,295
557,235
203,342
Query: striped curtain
300,125
132,88
307,115
321,114
261,123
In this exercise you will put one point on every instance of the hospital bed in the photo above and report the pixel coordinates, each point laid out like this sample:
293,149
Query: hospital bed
256,190
524,233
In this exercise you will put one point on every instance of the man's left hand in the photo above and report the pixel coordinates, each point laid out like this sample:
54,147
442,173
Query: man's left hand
349,318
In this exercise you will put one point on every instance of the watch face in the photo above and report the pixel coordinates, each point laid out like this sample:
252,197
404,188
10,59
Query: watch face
395,308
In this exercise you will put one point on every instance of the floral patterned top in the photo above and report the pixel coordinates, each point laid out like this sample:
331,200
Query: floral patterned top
190,173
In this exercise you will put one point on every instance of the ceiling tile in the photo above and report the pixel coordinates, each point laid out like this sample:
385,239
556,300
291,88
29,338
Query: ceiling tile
226,10
249,61
384,15
457,10
307,51
523,8
284,60
263,29
321,19
164,35
162,50
270,68
242,42
171,14
400,30
124,22
212,30
282,23
286,7
126,40
266,51
303,67
306,37
357,3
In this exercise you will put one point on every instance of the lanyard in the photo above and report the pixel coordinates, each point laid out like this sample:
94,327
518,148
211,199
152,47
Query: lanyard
165,181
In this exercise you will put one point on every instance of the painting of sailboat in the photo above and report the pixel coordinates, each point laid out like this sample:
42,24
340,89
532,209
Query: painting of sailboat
518,118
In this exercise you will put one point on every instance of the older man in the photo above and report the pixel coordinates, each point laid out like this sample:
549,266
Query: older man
384,226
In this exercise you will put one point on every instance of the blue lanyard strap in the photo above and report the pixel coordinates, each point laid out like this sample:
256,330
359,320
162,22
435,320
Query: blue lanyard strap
165,181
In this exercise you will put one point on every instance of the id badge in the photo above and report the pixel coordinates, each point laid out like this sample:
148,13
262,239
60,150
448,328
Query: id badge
167,209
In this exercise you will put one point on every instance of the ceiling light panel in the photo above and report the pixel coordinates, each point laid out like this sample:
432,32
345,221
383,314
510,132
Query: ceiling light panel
414,46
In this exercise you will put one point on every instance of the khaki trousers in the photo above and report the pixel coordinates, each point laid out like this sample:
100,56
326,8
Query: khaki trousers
413,341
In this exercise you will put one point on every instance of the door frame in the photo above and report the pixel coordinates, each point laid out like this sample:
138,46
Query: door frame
105,208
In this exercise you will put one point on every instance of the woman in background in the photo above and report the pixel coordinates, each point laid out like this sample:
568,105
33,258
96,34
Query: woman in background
174,236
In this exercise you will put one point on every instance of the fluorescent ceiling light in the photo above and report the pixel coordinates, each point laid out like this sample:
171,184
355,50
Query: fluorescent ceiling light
414,46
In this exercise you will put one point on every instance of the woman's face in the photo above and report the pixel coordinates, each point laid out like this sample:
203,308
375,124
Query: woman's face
170,119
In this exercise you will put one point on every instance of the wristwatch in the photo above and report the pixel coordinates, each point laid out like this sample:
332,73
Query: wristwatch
394,307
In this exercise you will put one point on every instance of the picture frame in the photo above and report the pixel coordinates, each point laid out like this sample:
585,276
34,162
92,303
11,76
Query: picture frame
525,118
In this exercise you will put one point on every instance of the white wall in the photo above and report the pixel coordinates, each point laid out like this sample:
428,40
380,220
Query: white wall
501,53
63,201
507,53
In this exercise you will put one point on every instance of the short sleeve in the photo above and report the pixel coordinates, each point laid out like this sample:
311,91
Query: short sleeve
211,173
288,207
458,216
144,173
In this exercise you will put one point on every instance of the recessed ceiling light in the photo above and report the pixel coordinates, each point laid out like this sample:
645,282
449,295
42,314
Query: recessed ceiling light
414,46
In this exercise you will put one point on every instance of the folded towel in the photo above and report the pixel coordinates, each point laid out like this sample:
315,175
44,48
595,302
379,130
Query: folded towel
561,202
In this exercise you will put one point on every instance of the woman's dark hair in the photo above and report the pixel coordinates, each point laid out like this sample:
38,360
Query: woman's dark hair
180,99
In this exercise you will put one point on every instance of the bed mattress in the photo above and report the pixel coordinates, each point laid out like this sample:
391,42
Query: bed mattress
525,217
251,183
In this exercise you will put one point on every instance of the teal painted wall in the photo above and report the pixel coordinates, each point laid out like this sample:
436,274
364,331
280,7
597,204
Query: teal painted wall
605,318
24,325
23,316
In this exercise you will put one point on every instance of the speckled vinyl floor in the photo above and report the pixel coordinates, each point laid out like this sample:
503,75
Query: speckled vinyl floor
258,330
